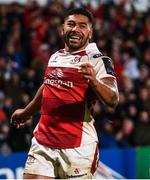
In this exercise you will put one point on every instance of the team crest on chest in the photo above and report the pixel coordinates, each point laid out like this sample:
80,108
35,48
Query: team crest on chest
76,60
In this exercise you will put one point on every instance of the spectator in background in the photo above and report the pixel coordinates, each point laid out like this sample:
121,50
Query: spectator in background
107,135
131,65
141,136
146,60
119,27
118,65
144,99
124,137
5,148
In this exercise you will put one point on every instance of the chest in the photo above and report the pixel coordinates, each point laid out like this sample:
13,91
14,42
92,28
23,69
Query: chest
68,61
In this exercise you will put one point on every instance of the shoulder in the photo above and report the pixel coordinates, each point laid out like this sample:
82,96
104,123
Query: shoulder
99,57
57,53
93,53
107,60
103,62
108,64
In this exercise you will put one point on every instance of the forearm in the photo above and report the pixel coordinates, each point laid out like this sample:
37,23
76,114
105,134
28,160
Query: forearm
106,88
35,104
106,92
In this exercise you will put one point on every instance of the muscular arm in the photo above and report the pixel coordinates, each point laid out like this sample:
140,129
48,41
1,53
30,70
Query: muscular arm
35,104
106,89
20,116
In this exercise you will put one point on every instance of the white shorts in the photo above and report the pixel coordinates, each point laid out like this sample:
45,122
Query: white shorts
76,163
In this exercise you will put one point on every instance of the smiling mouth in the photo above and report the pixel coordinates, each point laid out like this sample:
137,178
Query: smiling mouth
74,40
74,37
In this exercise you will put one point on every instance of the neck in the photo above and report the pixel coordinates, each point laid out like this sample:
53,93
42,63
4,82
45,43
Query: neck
73,49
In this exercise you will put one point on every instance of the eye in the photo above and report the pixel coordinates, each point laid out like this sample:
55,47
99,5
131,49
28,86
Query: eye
82,26
70,24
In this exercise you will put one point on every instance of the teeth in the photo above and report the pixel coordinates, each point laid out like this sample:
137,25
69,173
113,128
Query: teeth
75,37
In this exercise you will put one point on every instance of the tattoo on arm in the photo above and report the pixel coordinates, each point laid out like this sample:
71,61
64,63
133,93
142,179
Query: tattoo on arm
110,82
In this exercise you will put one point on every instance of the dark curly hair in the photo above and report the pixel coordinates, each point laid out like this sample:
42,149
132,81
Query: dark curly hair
81,11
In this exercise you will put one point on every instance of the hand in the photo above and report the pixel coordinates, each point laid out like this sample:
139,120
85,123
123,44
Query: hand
88,72
18,119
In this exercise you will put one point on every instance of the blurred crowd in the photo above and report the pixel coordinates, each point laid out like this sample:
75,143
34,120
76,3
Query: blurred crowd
30,33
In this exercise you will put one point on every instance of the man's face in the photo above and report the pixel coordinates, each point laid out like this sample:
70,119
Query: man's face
77,31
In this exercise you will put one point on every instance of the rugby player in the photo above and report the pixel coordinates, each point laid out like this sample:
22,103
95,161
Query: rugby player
65,143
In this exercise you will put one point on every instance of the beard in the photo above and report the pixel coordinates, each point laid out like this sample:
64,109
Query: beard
75,46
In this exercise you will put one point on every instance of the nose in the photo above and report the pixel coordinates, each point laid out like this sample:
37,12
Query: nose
76,28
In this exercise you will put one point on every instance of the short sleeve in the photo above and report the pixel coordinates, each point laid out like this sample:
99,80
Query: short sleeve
104,67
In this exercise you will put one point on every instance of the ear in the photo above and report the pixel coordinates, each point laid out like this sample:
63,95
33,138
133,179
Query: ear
91,33
61,30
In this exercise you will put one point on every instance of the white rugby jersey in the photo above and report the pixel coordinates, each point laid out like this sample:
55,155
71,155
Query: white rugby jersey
66,120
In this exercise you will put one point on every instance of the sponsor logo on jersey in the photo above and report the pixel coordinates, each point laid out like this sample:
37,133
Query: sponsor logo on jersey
56,73
58,82
75,176
77,171
55,79
97,55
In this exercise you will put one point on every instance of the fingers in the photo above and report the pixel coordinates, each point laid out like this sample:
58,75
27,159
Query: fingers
86,65
18,119
19,125
86,68
87,71
19,122
11,120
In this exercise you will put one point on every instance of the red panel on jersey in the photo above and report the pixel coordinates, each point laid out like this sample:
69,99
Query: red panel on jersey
63,108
